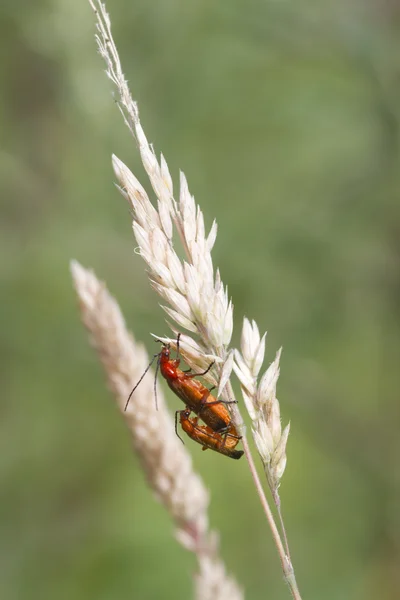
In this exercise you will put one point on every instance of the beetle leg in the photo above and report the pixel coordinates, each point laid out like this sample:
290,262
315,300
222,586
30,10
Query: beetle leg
203,373
178,412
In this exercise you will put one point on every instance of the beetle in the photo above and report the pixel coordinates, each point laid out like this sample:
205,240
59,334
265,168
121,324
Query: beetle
207,437
192,392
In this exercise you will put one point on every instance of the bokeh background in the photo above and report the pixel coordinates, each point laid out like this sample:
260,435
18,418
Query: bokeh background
284,116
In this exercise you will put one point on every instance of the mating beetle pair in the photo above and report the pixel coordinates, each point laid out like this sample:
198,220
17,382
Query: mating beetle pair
218,433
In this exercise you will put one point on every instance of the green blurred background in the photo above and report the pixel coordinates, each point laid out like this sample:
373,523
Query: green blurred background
285,118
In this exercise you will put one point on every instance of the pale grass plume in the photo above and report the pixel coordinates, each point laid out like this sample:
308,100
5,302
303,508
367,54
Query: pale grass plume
194,297
191,289
261,402
165,460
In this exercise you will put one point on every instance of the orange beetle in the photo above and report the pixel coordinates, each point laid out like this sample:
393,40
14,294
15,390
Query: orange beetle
209,439
194,394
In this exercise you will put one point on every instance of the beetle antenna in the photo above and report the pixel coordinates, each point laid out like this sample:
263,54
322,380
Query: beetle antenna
147,368
155,379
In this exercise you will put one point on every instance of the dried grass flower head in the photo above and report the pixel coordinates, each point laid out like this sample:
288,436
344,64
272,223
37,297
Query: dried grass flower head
195,297
166,462
261,401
